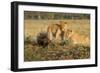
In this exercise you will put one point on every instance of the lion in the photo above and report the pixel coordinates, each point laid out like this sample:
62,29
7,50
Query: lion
76,38
57,31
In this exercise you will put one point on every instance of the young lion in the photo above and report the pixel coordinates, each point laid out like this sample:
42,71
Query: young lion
77,38
57,31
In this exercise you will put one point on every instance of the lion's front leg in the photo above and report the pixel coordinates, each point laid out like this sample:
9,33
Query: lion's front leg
62,35
57,37
50,36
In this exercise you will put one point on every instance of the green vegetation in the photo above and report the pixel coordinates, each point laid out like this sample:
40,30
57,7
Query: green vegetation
54,51
54,15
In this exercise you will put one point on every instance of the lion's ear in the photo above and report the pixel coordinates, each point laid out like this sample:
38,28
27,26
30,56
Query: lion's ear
69,30
65,22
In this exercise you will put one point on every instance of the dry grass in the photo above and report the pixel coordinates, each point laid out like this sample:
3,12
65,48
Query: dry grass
32,27
54,51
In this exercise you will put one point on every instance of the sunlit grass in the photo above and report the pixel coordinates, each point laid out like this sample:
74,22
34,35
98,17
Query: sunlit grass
54,51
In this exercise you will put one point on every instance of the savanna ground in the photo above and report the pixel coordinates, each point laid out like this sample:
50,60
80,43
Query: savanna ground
34,52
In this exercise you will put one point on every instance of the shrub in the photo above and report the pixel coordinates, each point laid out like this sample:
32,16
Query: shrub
42,39
30,40
66,42
27,40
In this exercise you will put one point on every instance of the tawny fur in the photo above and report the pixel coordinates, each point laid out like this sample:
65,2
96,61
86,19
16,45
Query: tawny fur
57,31
77,38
